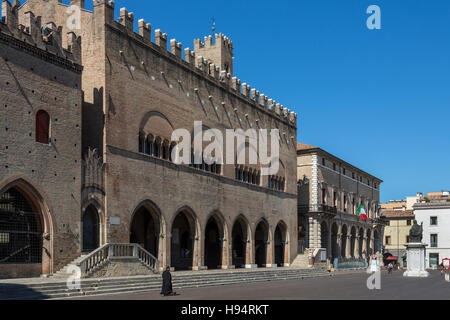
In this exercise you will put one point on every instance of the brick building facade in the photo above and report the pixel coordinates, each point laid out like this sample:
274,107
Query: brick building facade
125,186
40,118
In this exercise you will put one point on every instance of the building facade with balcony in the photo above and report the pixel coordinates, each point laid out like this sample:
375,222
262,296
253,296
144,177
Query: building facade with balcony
330,191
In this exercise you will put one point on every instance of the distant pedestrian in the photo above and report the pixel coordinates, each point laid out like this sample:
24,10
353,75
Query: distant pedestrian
390,267
167,283
442,268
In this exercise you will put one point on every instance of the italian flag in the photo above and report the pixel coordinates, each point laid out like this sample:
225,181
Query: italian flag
362,213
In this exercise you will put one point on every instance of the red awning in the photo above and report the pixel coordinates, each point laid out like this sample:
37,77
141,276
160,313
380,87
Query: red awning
392,258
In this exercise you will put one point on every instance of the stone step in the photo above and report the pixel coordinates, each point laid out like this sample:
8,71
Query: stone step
55,290
193,277
156,285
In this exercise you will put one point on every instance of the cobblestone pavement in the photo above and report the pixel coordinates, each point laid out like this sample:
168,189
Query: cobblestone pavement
343,286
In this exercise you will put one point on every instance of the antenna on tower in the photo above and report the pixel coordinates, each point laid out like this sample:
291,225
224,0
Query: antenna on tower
213,24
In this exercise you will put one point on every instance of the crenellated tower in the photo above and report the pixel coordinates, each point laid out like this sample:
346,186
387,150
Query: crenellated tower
220,52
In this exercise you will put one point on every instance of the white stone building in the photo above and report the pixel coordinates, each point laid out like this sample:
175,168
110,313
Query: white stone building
436,230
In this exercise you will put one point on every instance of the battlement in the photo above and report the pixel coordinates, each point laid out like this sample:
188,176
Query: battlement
47,37
220,41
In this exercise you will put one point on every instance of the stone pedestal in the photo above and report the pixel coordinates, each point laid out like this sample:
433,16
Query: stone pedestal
416,253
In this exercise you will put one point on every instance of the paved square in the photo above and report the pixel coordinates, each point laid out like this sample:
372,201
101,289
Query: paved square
343,286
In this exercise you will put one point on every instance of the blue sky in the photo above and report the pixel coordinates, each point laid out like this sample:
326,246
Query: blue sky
378,99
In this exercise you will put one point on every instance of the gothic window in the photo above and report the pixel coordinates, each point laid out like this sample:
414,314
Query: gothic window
148,144
165,150
42,127
157,148
141,142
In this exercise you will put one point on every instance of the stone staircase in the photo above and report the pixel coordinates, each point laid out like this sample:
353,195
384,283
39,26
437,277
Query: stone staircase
63,272
57,289
301,261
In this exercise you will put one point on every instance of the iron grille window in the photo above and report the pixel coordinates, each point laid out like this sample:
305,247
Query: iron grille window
20,230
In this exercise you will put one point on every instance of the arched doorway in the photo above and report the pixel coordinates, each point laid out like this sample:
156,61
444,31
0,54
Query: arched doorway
21,231
261,242
280,244
239,245
213,243
182,242
146,227
344,242
91,229
334,241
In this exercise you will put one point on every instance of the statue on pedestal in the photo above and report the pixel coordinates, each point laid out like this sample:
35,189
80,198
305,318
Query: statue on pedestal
416,233
416,253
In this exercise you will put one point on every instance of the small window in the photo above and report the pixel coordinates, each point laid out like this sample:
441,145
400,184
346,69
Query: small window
388,240
408,222
334,166
323,161
353,175
343,171
42,127
434,240
324,200
433,221
335,199
407,239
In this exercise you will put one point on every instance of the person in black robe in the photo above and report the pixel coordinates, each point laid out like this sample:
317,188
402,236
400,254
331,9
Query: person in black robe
167,283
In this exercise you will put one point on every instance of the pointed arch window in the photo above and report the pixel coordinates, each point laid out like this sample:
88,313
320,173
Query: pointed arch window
141,142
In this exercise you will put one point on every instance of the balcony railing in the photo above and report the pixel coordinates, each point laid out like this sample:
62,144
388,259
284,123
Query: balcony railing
317,208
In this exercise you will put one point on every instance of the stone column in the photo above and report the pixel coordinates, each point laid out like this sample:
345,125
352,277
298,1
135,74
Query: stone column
372,243
348,247
339,242
270,254
198,255
226,251
249,254
330,244
162,252
364,245
314,233
287,253
356,253
168,252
